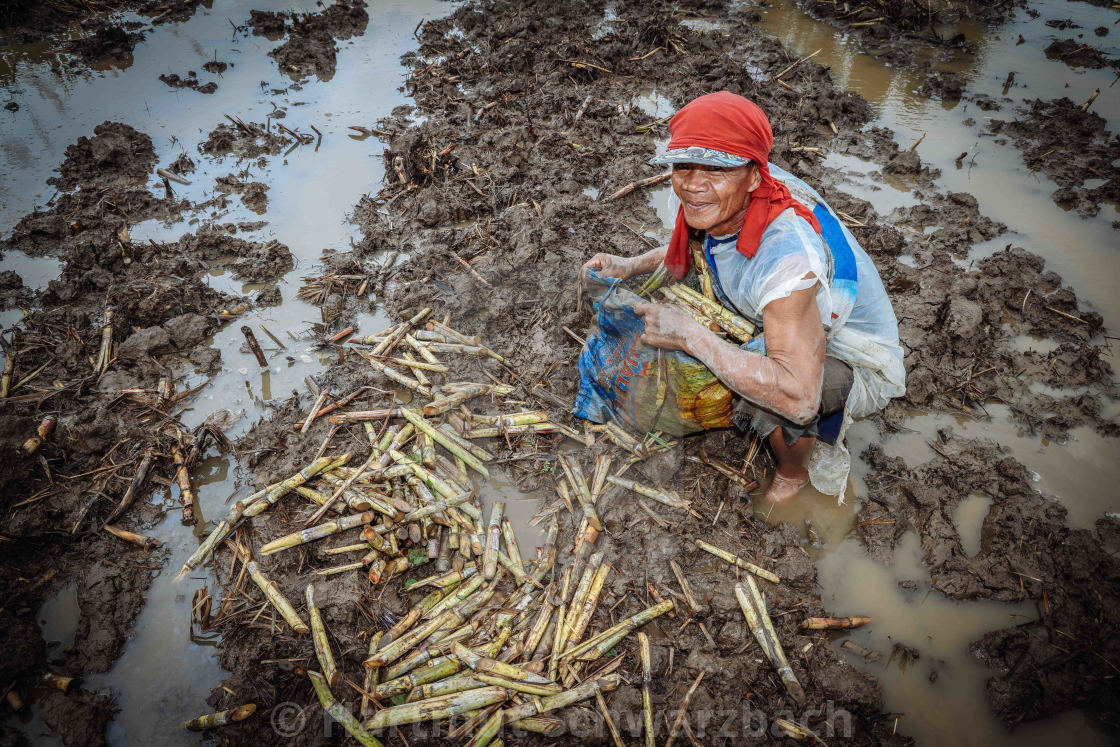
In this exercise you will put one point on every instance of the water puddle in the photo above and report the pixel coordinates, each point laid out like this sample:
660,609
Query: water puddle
886,193
164,676
969,519
520,508
1074,472
58,619
939,693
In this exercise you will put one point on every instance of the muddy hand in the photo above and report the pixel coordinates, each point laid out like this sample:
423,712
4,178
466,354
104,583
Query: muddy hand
666,327
610,266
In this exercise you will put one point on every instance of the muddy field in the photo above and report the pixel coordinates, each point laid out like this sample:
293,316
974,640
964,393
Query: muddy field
498,183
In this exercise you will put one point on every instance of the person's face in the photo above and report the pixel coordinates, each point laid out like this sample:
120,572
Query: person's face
715,198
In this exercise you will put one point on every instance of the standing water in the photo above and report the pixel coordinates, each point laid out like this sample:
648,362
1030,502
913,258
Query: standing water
164,676
940,698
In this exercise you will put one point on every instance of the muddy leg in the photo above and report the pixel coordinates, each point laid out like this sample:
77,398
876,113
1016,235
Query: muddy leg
791,473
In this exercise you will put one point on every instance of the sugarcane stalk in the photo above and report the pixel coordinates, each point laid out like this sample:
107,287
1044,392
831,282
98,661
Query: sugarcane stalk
364,500
422,350
396,649
512,549
461,682
539,724
834,623
575,476
273,493
394,375
453,334
57,681
183,477
656,279
732,323
105,354
662,496
559,639
686,589
586,607
421,656
434,709
317,497
453,600
758,620
528,417
319,638
587,574
540,624
412,616
480,453
340,712
487,665
221,718
137,539
684,708
315,407
439,485
529,688
439,437
372,674
797,732
435,670
418,366
273,594
447,580
597,646
440,405
355,566
9,371
513,430
493,539
134,487
454,347
46,425
399,331
599,480
312,534
581,692
735,560
647,692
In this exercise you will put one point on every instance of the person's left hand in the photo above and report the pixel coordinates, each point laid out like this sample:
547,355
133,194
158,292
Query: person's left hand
666,327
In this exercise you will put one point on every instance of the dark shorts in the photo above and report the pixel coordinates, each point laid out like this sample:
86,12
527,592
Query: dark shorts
836,384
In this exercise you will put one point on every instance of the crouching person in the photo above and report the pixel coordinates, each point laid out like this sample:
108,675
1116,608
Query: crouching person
777,256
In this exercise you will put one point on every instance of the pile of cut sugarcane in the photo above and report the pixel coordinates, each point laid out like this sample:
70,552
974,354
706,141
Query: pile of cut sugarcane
492,638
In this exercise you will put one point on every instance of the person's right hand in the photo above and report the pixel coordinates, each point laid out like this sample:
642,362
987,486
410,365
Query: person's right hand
610,266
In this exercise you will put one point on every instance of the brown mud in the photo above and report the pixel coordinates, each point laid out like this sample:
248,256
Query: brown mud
56,500
28,21
1070,145
310,47
1078,54
528,114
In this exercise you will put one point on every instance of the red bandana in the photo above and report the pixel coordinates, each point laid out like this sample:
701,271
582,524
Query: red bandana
729,123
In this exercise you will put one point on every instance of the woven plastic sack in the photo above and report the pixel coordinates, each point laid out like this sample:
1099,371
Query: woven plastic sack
645,389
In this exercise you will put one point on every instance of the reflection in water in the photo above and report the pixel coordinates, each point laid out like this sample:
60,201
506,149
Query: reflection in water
940,694
1076,472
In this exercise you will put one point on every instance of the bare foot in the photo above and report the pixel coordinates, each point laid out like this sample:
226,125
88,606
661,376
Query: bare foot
783,488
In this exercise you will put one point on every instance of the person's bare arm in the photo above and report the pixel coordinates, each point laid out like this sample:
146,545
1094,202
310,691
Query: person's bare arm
626,267
785,381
